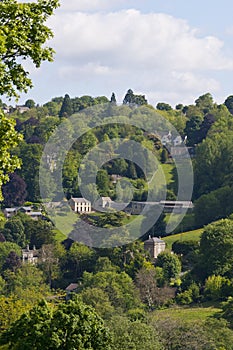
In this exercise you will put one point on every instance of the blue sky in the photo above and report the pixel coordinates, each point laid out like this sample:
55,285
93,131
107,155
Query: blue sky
171,51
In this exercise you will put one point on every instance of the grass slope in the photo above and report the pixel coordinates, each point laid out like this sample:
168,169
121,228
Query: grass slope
184,236
191,314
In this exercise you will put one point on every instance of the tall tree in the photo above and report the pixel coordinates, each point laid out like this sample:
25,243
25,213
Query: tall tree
14,192
13,262
132,99
9,139
205,102
14,231
31,155
69,326
66,108
5,249
170,264
113,99
30,103
23,34
229,103
162,106
129,97
216,249
192,129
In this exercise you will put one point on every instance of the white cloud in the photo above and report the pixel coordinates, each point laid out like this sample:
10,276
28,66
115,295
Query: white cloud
90,68
90,5
151,52
141,40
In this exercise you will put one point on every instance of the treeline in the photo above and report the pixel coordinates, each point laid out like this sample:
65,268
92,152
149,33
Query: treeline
205,126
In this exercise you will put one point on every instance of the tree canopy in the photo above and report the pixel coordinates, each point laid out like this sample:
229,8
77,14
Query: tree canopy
23,34
216,248
70,326
9,138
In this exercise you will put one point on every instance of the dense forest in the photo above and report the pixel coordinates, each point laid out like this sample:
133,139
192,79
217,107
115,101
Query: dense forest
58,293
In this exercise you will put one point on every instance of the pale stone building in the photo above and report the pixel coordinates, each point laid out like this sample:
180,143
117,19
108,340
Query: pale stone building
154,246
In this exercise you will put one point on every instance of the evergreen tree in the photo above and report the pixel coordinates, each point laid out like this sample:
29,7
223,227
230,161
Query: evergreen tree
113,99
66,108
129,97
229,104
164,156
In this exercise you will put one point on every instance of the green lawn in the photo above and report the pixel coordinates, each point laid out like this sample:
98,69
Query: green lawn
167,170
191,314
59,236
64,223
184,236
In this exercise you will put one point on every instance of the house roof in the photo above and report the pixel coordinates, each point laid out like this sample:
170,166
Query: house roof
25,208
154,240
106,199
80,200
10,210
183,204
35,213
71,287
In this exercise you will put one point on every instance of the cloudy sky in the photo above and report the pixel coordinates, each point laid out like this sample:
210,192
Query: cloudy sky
171,51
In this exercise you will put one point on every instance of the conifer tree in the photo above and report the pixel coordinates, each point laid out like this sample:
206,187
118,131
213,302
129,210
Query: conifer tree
66,108
113,99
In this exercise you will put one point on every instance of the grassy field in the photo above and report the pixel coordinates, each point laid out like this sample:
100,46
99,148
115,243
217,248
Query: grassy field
184,236
167,170
64,224
163,177
59,236
191,314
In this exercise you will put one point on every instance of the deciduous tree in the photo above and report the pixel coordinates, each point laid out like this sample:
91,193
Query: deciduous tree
216,249
9,139
70,326
23,34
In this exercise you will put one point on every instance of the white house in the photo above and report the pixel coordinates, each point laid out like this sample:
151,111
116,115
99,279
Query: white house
80,205
22,109
105,202
9,212
6,110
166,138
30,255
177,141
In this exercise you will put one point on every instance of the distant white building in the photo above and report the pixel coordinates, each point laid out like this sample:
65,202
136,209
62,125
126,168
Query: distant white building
30,255
9,212
6,110
72,288
103,204
80,205
166,138
177,141
22,109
